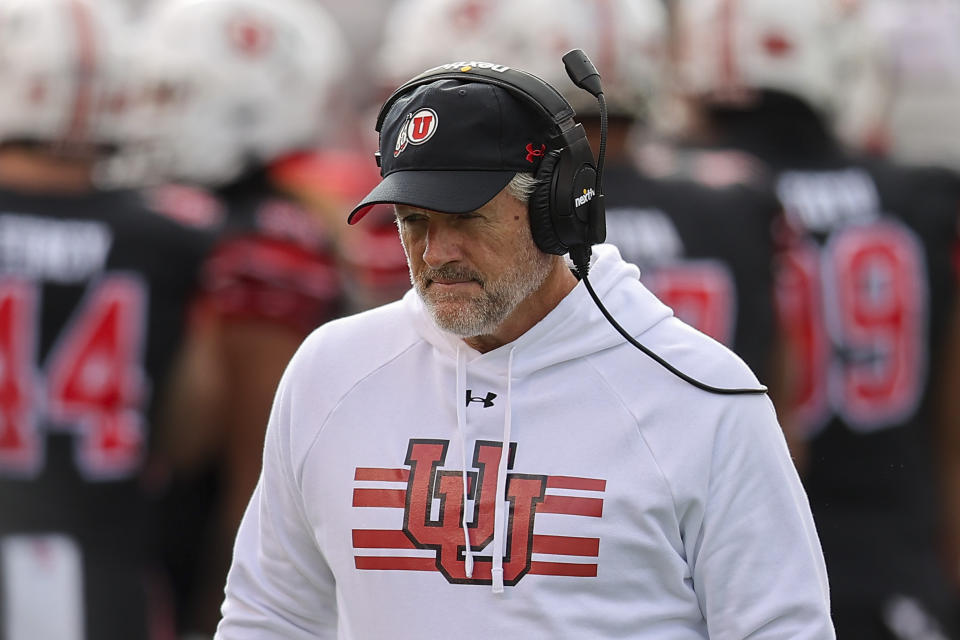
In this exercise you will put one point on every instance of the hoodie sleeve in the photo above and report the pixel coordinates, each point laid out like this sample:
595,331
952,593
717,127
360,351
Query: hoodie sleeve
758,568
279,585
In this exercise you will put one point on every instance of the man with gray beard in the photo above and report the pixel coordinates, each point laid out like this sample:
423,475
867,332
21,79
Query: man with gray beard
488,454
473,269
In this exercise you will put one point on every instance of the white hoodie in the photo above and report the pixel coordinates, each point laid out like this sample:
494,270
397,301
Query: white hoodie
638,506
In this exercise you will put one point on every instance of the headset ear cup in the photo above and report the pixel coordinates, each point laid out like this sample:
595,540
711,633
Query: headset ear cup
541,222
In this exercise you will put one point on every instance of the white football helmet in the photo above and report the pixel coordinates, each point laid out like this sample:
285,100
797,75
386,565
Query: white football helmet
233,84
625,39
913,107
61,75
730,50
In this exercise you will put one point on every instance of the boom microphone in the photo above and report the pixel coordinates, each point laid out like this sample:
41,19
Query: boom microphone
585,76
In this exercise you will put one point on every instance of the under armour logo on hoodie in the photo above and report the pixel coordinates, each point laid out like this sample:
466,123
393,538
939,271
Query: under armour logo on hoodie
487,401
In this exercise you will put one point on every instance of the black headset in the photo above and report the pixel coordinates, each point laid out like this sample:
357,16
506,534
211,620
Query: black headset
566,208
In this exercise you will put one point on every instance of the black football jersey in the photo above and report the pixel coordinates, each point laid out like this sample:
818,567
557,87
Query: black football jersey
865,293
275,261
706,252
93,294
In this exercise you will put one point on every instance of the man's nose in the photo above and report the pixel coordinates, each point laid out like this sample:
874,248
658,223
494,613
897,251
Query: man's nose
443,244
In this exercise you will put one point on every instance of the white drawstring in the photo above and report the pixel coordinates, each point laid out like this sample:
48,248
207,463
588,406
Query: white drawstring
496,572
462,429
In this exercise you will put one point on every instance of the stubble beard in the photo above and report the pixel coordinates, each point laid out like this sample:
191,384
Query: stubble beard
483,313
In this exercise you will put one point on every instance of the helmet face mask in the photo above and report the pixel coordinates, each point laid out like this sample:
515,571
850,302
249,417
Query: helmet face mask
234,84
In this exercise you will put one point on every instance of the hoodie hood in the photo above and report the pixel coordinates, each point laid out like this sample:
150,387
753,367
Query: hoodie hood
573,329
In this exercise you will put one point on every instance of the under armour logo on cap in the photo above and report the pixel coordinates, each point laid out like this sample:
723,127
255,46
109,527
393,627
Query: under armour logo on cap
533,154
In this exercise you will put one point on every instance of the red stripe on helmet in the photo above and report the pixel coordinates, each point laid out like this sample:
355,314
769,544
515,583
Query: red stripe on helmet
729,72
86,67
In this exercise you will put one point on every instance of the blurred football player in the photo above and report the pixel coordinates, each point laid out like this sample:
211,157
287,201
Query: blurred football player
868,296
235,89
918,90
94,291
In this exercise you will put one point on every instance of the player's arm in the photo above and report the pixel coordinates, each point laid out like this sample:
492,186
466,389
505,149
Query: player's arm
189,419
781,386
219,404
189,404
253,355
787,355
945,382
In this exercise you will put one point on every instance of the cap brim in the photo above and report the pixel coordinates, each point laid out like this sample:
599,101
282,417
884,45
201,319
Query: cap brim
443,191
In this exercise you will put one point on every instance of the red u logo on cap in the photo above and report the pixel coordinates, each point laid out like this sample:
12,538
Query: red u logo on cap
422,125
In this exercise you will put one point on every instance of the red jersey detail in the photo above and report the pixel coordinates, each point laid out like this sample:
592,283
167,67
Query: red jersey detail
93,384
188,206
253,277
326,175
283,219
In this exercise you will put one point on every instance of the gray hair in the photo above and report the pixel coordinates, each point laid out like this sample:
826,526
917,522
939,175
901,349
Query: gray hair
522,186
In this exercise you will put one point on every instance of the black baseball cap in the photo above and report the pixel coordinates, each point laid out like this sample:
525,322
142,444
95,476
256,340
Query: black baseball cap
451,146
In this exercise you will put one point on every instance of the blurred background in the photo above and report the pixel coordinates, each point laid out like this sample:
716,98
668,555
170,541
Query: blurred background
784,172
